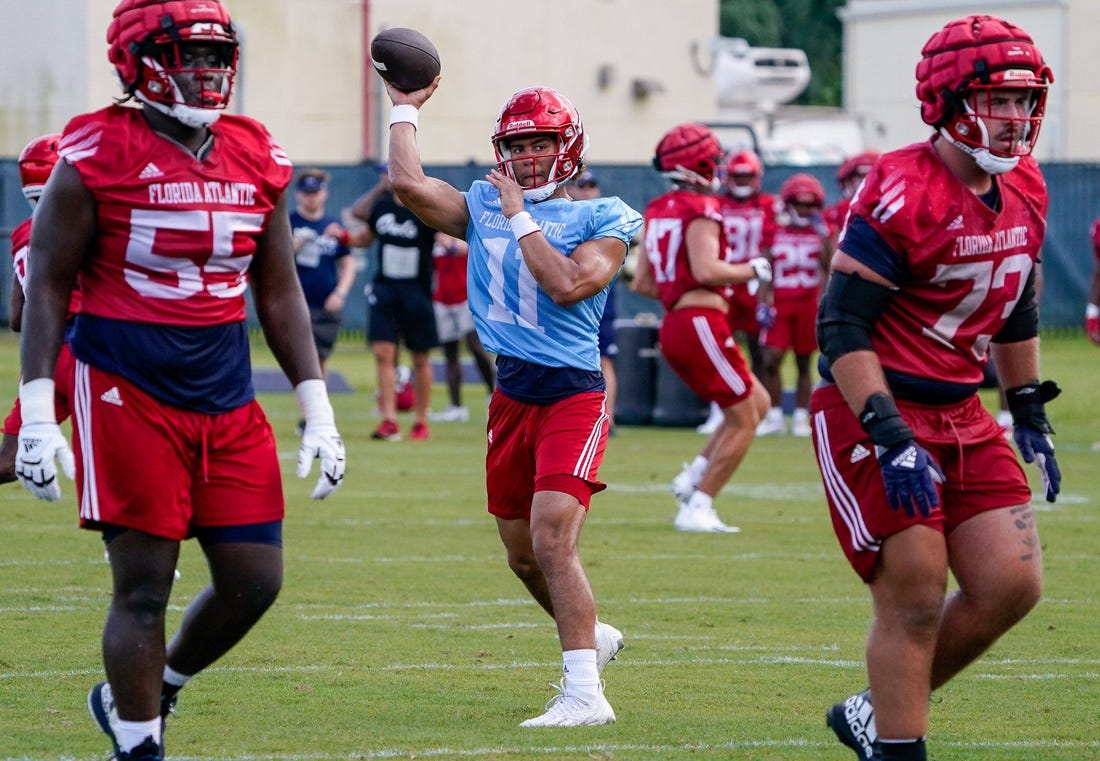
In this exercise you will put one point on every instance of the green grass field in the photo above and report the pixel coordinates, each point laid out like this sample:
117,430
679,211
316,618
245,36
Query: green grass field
401,633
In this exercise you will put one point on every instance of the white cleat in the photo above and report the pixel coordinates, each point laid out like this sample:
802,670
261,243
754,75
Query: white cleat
800,424
710,425
452,414
701,521
609,641
683,485
771,426
567,711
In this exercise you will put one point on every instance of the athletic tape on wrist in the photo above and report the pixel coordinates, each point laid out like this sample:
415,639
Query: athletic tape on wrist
36,401
314,403
523,224
404,113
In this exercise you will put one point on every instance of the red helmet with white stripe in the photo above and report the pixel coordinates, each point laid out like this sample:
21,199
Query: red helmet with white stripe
36,161
541,111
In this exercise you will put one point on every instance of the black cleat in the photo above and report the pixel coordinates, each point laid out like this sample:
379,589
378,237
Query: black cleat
853,722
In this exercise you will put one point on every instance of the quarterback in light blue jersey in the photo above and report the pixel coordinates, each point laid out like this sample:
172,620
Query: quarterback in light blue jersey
540,268
514,317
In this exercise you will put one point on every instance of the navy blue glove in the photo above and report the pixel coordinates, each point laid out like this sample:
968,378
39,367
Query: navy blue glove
910,475
908,471
1031,431
765,316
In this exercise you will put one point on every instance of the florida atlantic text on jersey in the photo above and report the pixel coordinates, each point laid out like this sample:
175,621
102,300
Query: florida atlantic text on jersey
514,316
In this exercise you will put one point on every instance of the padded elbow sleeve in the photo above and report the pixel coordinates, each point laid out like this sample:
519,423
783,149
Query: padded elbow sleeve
849,309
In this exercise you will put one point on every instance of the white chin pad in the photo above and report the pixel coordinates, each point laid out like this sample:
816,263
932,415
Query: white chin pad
541,193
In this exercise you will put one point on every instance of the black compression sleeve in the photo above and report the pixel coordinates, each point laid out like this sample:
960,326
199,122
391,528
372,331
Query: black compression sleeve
1023,323
849,309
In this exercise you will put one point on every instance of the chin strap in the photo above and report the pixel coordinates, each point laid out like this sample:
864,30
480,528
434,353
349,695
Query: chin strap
687,177
187,115
982,156
541,193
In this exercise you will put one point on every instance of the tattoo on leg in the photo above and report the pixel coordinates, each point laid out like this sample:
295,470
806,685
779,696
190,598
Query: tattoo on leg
1024,518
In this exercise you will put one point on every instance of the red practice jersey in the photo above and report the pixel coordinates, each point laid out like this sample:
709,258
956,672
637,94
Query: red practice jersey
450,276
796,262
175,234
20,248
836,215
666,221
749,225
962,266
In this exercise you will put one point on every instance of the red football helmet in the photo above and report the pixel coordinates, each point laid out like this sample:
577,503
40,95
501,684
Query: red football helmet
35,164
744,171
802,189
541,111
146,42
972,57
852,171
689,154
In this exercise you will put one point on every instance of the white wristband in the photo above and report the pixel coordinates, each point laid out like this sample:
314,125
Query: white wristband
314,403
36,401
404,113
1092,311
523,224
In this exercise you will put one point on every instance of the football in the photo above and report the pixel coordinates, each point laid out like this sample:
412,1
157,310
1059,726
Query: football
405,58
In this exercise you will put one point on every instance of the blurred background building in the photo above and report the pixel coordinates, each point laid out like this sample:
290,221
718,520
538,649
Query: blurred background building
634,68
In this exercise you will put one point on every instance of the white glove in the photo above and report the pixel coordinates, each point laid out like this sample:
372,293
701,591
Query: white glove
41,441
762,267
320,439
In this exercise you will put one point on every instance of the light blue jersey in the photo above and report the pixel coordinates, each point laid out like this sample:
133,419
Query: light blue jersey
513,315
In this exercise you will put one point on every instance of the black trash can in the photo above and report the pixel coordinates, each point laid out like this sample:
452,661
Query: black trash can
636,370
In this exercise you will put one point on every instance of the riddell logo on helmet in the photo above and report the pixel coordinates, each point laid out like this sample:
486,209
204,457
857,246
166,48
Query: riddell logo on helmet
1013,74
199,29
521,124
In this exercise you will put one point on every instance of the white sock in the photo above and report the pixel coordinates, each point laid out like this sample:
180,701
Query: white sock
175,678
582,679
698,467
130,734
700,501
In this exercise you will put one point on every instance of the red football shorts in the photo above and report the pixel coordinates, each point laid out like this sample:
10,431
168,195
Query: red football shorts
742,314
794,325
980,467
162,470
698,345
62,378
544,447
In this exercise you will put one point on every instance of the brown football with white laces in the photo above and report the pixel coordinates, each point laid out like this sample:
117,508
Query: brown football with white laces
405,58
